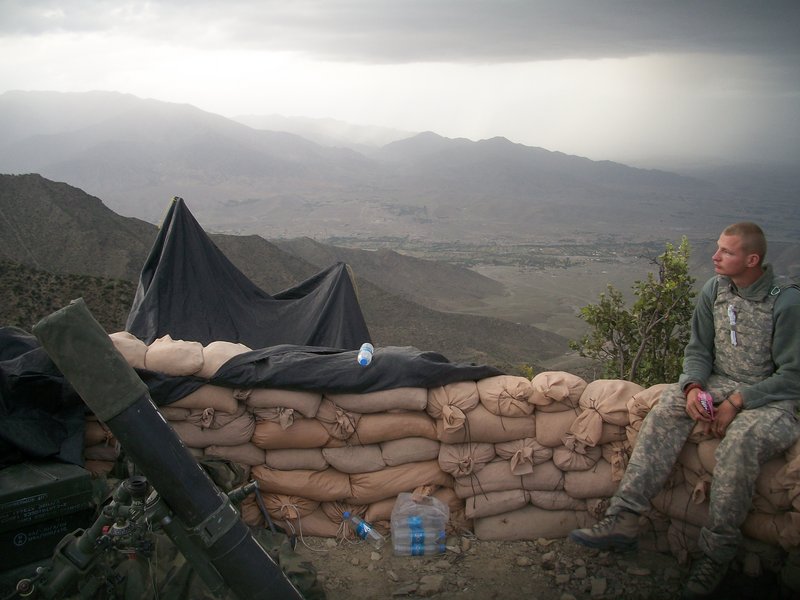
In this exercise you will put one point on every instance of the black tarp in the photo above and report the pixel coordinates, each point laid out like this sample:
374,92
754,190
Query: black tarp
40,414
303,338
191,291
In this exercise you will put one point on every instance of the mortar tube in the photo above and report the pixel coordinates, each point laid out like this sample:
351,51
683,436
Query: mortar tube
85,355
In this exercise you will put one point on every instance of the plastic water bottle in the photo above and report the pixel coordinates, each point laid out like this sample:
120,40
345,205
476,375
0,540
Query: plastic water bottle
418,525
365,354
364,530
418,541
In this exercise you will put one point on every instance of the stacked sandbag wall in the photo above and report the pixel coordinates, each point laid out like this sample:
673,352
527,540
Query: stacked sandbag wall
513,458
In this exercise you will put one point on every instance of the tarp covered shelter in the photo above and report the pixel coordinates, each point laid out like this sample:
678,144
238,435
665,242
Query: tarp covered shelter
189,290
302,338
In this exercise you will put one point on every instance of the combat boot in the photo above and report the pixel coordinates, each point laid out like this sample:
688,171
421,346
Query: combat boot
704,578
614,532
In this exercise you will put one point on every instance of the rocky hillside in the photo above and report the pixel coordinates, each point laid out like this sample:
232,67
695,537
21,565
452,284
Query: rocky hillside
58,243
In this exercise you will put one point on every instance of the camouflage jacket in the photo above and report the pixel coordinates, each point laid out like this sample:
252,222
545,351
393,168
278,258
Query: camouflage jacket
773,370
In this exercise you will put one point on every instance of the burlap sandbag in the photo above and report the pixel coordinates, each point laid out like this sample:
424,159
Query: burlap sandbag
404,398
451,403
579,458
306,403
603,401
497,476
782,529
463,459
696,479
495,503
209,396
531,523
592,483
243,454
96,432
289,459
706,450
287,507
326,486
545,477
483,426
174,357
789,479
217,354
133,349
676,502
523,454
174,413
642,403
384,427
281,415
554,391
552,427
303,433
316,524
617,454
506,395
372,487
210,418
409,449
238,431
102,451
340,424
555,500
355,459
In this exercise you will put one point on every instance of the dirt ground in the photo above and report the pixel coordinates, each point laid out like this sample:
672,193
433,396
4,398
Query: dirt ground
534,570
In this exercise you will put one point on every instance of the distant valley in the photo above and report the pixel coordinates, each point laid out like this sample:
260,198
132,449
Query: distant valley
441,231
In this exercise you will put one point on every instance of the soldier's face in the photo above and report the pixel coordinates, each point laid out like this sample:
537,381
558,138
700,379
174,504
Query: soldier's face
730,259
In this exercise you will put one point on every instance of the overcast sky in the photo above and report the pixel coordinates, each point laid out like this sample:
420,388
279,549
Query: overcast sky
646,82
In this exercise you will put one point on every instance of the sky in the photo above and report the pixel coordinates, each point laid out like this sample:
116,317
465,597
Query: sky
645,82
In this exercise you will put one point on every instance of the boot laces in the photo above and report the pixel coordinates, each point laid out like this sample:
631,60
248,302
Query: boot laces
604,525
706,574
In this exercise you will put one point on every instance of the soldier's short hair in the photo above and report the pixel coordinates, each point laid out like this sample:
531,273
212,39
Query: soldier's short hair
753,239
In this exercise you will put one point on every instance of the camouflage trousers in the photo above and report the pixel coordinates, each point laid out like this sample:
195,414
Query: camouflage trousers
750,440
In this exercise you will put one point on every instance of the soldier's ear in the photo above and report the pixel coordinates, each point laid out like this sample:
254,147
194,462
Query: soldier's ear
753,260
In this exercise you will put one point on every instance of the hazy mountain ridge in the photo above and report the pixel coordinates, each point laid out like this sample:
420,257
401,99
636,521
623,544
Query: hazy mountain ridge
72,237
137,154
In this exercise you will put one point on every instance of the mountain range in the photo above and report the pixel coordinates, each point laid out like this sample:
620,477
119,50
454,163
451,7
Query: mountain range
136,154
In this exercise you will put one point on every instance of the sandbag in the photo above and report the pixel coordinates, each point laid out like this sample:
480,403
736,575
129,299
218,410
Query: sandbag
305,402
495,503
462,459
383,427
506,395
355,459
303,433
238,431
209,396
523,454
177,358
133,349
531,523
289,459
483,426
243,454
552,427
409,449
324,486
217,354
555,391
371,487
403,398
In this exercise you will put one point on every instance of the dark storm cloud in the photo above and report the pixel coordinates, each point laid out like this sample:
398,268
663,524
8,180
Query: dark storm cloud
400,31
